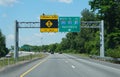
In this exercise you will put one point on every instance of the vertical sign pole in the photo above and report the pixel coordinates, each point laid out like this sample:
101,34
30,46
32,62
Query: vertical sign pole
102,39
16,41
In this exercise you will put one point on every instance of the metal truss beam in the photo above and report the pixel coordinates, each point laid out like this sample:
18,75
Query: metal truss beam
90,24
29,25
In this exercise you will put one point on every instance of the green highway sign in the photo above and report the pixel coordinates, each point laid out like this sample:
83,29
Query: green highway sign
69,24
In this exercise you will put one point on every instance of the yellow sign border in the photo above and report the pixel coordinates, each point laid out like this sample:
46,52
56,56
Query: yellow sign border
49,17
48,29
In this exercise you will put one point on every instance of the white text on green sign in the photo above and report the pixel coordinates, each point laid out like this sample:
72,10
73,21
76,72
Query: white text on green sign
69,24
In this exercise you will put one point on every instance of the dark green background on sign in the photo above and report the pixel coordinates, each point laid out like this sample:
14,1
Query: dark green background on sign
69,24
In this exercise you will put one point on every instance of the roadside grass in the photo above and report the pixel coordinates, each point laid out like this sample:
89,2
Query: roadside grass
106,59
80,55
10,61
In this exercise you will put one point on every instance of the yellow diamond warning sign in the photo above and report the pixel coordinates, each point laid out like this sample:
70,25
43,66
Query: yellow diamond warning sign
49,24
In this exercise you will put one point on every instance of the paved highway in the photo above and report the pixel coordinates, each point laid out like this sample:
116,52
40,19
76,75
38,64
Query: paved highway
63,65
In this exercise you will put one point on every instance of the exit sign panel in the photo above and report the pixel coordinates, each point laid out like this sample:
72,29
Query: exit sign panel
69,24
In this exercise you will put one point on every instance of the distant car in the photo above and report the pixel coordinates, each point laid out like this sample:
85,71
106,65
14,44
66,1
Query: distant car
8,56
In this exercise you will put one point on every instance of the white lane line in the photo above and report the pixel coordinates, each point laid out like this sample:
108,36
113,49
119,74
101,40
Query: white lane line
73,66
96,64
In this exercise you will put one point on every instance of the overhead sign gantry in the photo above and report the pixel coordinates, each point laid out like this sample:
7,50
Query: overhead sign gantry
49,23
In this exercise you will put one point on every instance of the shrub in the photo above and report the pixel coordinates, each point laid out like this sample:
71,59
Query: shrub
115,53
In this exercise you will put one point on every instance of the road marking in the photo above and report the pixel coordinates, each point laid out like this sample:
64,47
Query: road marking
28,71
73,66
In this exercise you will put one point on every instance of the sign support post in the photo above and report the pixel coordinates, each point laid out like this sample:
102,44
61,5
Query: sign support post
102,39
100,26
16,48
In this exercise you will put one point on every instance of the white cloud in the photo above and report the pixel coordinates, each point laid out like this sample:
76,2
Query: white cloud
7,2
64,1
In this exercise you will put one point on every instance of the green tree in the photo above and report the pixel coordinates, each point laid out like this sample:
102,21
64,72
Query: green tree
52,47
109,11
12,47
65,44
3,49
87,40
87,15
58,48
44,48
71,39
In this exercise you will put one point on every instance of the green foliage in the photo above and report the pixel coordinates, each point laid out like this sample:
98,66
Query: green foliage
34,48
65,44
44,48
115,53
52,47
12,47
58,48
109,11
70,51
3,49
94,52
88,15
114,40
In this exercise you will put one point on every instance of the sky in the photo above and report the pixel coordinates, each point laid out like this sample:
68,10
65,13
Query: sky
30,10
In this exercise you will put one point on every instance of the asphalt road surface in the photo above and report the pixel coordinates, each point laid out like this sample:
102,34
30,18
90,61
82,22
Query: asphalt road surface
63,65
